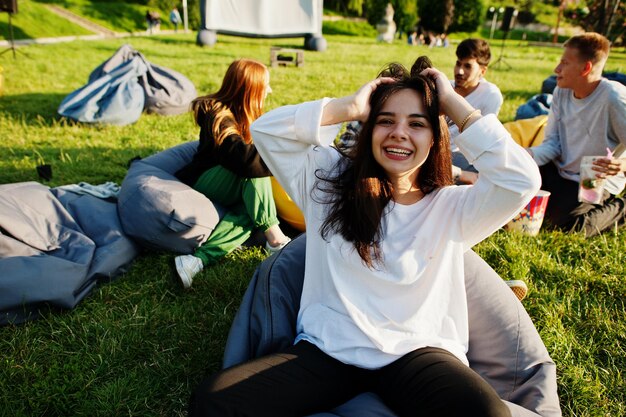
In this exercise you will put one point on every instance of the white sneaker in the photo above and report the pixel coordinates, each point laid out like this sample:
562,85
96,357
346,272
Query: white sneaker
518,287
187,267
274,249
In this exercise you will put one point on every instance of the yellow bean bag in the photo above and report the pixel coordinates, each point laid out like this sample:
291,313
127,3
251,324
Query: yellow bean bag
528,132
287,209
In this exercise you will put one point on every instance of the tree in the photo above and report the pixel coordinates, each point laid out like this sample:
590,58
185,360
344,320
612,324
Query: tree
468,15
603,16
406,14
354,7
436,15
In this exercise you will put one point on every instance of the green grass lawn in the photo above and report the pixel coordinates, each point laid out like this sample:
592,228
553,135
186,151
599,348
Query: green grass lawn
116,15
34,20
138,345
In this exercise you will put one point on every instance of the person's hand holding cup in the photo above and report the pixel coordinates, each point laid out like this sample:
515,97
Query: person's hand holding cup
591,187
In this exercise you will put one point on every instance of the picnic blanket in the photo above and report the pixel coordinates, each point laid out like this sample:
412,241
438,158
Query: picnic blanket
55,246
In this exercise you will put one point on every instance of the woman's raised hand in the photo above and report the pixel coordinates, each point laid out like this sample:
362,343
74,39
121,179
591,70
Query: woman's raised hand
451,104
352,107
361,99
445,91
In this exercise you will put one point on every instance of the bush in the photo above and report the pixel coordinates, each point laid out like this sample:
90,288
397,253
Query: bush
525,17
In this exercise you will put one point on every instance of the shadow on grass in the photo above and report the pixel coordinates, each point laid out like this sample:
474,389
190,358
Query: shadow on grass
92,164
38,109
18,33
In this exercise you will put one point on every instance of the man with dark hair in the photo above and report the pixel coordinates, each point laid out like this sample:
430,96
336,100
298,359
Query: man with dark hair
473,56
587,118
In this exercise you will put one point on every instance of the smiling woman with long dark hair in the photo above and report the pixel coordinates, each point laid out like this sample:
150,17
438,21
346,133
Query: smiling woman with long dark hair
383,306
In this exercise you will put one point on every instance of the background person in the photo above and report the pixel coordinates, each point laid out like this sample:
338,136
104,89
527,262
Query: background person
228,169
149,21
175,18
473,57
383,306
587,116
153,20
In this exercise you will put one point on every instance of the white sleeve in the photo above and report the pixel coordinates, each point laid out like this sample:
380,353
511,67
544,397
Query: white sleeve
616,115
290,140
550,147
508,179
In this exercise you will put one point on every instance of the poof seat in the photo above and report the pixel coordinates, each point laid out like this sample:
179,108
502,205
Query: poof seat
286,208
504,346
528,132
161,212
55,246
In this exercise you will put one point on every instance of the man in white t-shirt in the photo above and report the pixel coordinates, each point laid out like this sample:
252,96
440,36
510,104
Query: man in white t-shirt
587,117
473,56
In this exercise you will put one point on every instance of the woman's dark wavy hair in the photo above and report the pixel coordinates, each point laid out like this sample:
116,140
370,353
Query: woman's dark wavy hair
358,189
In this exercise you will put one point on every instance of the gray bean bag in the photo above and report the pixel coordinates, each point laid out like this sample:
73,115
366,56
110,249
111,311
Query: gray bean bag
504,347
161,212
54,248
125,85
167,92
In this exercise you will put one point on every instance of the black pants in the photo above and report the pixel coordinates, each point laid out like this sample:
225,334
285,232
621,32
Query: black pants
303,380
565,212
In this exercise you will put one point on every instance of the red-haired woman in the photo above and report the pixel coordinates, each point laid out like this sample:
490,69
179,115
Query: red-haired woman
227,168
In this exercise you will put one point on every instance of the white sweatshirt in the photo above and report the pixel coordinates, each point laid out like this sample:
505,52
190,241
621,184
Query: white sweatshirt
486,97
371,317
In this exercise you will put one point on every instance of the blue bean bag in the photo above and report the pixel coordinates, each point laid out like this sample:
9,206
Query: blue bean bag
537,105
55,246
125,85
504,346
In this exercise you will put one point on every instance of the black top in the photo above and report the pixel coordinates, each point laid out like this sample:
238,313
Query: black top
233,153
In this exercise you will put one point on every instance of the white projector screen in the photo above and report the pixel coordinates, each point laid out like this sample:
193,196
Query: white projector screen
263,18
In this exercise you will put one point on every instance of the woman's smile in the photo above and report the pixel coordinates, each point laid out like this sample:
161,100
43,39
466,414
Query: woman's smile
397,153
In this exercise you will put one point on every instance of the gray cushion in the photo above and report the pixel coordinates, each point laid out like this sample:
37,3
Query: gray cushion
505,347
161,212
54,247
